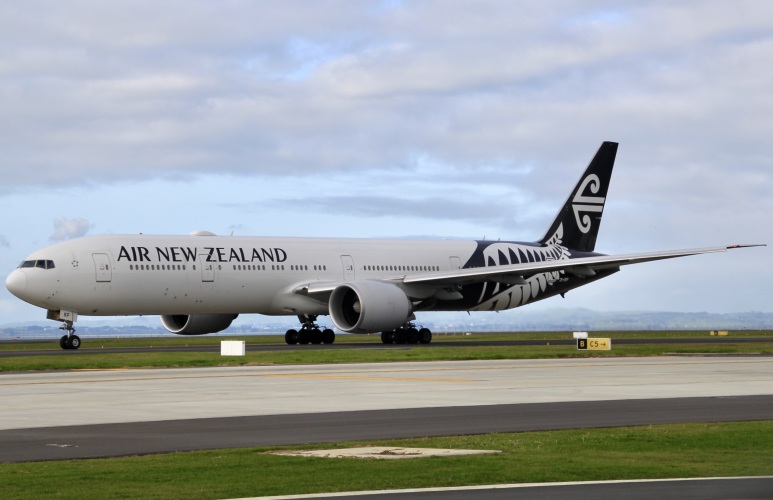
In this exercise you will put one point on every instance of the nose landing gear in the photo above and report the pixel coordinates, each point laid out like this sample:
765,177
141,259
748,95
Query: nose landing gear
69,341
310,333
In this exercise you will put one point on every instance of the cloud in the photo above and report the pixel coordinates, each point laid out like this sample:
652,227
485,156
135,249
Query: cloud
4,242
94,95
66,229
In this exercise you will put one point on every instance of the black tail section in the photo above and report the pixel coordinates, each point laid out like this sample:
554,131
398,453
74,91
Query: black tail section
577,224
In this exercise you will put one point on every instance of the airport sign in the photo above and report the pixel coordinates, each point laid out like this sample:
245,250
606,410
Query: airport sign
594,344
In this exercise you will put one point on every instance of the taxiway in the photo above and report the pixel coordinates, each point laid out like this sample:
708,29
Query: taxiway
56,415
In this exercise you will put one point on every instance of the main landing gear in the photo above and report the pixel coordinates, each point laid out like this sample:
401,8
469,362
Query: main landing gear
407,334
310,333
69,341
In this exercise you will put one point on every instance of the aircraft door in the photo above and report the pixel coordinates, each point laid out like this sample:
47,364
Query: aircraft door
348,264
207,269
456,262
102,267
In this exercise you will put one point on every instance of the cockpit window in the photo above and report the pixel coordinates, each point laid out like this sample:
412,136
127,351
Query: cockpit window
42,264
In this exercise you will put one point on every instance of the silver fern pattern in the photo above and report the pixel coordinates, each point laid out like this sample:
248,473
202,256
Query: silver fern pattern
500,296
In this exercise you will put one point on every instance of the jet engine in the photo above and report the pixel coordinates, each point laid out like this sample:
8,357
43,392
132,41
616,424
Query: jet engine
197,324
368,307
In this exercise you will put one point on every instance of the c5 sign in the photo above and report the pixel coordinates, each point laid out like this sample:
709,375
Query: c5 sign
594,344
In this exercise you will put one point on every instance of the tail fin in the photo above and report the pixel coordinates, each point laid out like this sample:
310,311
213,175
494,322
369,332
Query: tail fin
577,223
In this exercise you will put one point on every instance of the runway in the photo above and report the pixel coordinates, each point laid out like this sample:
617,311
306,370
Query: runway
57,415
108,440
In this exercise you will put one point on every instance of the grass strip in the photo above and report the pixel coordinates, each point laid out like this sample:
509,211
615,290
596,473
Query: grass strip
312,355
170,340
662,451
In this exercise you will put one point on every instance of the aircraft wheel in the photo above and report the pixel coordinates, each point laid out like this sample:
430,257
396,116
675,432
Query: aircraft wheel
316,336
387,337
73,342
425,336
304,337
412,336
291,337
63,342
328,336
400,336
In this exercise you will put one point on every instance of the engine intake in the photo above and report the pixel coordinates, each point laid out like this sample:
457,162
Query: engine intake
197,324
369,307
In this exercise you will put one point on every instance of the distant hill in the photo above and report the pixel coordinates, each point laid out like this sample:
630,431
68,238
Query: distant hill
585,319
522,320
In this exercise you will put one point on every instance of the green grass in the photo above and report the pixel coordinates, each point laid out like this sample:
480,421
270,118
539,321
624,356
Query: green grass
312,354
214,340
663,451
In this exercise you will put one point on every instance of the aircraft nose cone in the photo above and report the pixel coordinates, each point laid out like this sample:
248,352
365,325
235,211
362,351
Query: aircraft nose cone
16,283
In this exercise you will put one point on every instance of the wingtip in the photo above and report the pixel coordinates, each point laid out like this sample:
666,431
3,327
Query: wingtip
747,245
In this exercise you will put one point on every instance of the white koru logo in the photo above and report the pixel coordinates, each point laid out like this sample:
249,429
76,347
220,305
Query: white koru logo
582,203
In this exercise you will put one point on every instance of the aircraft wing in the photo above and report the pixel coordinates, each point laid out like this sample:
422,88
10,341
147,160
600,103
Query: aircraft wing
585,266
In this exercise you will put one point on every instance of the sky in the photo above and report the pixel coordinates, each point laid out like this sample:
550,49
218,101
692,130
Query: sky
438,119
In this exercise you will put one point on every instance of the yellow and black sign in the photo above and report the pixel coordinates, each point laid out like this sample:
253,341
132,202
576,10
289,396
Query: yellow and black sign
594,344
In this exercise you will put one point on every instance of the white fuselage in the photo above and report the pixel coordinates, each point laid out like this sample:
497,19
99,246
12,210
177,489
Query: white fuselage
143,274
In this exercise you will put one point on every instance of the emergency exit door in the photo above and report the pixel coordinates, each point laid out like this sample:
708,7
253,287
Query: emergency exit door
348,264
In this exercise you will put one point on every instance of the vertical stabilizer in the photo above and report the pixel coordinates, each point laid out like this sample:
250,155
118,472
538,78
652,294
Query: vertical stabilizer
577,224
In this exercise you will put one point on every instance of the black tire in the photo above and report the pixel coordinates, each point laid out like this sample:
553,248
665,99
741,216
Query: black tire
387,337
291,337
412,336
316,336
73,342
304,336
400,336
63,342
425,336
328,336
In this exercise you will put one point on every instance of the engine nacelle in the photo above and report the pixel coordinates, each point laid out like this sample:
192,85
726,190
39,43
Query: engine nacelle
369,307
197,324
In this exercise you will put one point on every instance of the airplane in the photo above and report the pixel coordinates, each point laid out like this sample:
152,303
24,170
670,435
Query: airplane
200,283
